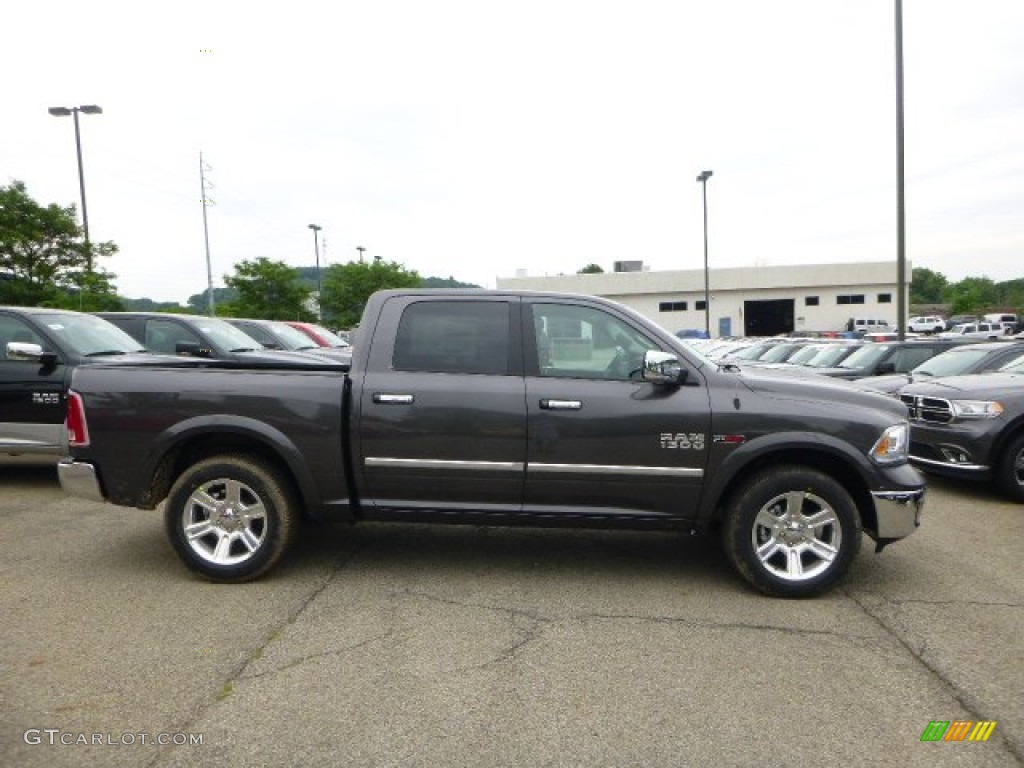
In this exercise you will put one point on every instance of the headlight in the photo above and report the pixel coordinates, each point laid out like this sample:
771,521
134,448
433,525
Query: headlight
976,409
892,446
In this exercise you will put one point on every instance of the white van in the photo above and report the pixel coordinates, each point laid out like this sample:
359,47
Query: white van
1002,319
867,324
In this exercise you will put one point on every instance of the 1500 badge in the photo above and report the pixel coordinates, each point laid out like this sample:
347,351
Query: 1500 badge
46,398
683,441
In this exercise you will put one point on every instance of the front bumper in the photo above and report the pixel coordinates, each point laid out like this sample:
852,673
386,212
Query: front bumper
897,513
79,479
960,449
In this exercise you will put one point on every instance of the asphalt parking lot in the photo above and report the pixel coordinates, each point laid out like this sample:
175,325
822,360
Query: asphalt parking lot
435,646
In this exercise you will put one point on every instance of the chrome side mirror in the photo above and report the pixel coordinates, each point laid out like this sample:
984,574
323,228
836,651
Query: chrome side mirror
23,350
662,368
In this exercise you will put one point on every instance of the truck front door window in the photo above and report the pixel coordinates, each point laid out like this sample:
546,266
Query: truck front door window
581,342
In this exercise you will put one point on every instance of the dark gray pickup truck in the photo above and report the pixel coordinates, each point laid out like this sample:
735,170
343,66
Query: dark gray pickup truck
506,409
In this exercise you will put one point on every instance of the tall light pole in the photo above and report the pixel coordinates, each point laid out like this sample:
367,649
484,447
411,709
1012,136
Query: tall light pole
901,216
360,249
316,247
703,179
89,109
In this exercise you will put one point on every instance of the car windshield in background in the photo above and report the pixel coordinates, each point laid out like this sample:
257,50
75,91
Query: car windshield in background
332,338
292,337
88,335
224,334
808,353
1014,366
954,361
831,357
865,357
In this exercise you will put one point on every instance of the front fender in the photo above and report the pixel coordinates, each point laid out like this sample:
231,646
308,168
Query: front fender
808,448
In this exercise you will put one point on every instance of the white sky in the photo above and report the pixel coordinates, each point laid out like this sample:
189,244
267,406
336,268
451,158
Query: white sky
472,139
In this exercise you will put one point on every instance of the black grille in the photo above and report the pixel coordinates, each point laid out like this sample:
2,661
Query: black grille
932,409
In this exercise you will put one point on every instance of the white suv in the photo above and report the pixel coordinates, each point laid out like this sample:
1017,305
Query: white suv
974,331
926,324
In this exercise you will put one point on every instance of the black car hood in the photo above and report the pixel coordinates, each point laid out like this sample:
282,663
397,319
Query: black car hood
977,385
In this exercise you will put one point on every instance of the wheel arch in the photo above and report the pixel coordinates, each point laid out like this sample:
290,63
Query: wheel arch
201,438
828,455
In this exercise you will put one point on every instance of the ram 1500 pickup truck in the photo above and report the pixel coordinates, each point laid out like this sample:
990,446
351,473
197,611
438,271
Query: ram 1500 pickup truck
501,408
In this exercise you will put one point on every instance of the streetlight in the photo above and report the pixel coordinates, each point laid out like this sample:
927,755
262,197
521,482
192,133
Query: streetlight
360,249
89,109
316,247
703,179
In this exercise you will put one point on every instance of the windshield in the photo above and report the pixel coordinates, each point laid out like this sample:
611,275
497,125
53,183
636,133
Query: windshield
292,338
865,357
779,353
226,336
832,355
953,361
809,352
89,335
1014,366
333,339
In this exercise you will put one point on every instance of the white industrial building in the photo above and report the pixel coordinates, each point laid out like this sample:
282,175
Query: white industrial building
748,301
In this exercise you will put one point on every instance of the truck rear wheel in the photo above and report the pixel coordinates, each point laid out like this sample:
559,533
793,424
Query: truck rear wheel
791,531
230,518
1011,469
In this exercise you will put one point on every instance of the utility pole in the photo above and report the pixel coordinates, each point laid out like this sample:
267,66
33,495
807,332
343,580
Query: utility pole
204,186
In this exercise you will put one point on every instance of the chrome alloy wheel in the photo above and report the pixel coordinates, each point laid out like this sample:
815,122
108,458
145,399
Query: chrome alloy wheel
796,536
224,521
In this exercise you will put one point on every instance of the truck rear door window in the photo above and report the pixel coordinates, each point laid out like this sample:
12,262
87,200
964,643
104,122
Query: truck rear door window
453,337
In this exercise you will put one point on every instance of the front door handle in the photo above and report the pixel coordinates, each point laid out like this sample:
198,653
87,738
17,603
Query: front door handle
386,399
561,405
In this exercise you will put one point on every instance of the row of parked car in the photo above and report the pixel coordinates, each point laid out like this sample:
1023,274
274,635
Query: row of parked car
33,396
964,397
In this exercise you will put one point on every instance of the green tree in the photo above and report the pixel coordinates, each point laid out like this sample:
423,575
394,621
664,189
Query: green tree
971,295
43,257
927,287
346,287
268,289
591,269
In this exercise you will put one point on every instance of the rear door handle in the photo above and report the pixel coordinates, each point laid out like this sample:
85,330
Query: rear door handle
386,399
561,405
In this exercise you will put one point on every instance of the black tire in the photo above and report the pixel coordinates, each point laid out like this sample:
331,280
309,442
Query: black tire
1011,469
785,552
230,518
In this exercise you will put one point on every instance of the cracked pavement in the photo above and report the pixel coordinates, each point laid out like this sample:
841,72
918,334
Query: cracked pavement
428,645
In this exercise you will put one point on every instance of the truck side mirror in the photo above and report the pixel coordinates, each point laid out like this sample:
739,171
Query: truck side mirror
662,368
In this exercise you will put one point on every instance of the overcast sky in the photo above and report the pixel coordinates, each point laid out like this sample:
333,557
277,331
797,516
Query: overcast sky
474,139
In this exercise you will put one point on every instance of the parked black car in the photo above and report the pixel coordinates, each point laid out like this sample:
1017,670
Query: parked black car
40,347
276,334
884,357
198,336
970,426
959,361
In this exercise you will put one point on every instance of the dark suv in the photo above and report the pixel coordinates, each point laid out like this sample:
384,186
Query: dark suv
884,357
38,350
970,426
959,361
199,336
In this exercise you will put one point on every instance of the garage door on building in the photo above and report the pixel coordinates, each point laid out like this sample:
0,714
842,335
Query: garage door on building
768,317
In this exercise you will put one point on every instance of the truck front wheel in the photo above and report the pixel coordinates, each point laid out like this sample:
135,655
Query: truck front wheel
230,518
791,531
